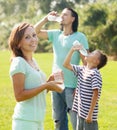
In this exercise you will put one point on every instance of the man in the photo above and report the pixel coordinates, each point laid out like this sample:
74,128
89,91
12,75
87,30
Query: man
62,41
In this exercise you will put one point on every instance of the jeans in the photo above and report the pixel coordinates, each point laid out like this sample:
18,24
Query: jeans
62,103
83,125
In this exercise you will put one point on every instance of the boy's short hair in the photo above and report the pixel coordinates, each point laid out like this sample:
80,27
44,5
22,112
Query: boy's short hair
103,60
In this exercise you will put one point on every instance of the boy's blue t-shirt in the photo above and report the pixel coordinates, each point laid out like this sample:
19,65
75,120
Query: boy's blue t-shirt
61,46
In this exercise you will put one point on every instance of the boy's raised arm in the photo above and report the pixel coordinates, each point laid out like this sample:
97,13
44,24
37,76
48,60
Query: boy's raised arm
67,60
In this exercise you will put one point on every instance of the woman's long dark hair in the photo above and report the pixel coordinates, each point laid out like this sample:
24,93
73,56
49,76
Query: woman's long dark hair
75,22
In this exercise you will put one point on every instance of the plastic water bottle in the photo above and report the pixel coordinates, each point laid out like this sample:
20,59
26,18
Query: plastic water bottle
58,75
83,51
54,18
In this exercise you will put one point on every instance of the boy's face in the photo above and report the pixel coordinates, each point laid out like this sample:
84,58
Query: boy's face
93,57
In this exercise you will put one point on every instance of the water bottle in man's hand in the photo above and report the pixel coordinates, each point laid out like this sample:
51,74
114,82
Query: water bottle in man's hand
54,18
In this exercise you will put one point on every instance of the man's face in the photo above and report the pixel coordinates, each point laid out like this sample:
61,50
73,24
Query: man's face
67,17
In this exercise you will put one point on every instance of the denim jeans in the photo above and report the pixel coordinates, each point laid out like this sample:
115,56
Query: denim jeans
83,125
62,103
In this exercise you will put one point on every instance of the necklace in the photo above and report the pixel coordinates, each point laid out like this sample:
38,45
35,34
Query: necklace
68,34
65,38
33,65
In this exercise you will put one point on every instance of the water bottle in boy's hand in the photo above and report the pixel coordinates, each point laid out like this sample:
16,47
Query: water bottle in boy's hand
83,51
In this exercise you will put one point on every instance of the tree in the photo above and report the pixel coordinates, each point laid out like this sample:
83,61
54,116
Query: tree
45,5
101,27
97,15
48,5
61,4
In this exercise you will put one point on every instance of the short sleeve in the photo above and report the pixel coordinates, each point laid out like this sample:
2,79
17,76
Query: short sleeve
76,69
18,65
83,40
52,34
96,81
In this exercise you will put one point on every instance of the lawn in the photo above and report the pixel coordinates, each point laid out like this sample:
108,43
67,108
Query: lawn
108,102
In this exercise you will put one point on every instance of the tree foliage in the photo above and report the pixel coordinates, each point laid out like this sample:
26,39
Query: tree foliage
97,15
98,20
102,23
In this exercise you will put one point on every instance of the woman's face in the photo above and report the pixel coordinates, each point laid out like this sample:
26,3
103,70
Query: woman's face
29,41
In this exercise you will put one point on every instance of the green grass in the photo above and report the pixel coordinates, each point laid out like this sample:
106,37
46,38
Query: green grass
108,102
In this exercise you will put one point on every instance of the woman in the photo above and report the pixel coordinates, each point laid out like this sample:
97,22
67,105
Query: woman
29,82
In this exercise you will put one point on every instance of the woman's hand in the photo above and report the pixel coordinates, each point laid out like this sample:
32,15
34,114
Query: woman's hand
50,78
54,86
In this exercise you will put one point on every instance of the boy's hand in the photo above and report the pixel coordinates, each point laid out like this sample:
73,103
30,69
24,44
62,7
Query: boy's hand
89,118
77,47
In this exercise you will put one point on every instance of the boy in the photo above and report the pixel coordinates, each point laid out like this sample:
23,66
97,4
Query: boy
88,88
